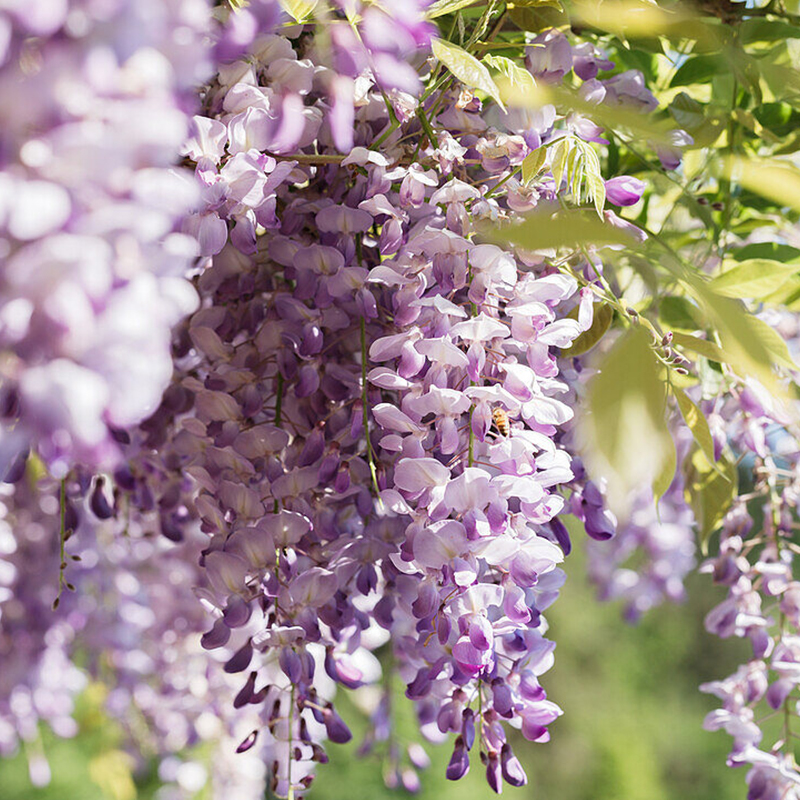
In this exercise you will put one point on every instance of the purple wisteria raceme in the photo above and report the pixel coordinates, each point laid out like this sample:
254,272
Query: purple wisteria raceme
352,400
93,274
366,402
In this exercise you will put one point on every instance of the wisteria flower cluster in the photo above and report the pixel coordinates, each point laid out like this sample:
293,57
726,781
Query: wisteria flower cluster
291,405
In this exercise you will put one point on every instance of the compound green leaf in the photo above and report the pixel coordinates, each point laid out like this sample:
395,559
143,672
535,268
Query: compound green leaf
466,68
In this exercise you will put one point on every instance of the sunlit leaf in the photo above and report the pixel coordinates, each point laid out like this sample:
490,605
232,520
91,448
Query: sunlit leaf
548,14
696,422
700,346
709,490
603,315
772,250
542,231
623,432
442,7
299,10
632,19
751,347
679,313
518,77
466,68
755,278
641,126
111,771
593,177
777,180
532,164
559,160
663,479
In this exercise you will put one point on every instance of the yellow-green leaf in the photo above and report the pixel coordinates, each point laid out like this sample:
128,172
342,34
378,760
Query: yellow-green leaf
623,432
771,341
517,76
754,278
466,68
442,7
299,10
533,163
641,126
777,180
701,346
542,230
593,176
663,480
546,14
111,771
559,160
679,313
751,347
709,490
603,315
696,422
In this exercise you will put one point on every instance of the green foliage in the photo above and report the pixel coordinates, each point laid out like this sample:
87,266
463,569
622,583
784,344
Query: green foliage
603,317
625,408
710,489
464,66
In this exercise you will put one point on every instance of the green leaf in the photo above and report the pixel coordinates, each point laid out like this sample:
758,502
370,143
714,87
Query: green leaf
542,231
111,771
603,315
763,30
679,313
771,341
687,112
518,77
663,480
698,69
788,295
751,347
691,115
442,7
748,120
593,176
777,252
696,422
533,163
701,346
544,15
299,10
753,279
466,68
625,410
568,100
559,160
711,378
709,491
774,179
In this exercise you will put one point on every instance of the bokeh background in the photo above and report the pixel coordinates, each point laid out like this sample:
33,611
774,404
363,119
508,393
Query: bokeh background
631,730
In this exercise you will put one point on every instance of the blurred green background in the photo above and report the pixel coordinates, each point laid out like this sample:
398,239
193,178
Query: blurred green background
631,728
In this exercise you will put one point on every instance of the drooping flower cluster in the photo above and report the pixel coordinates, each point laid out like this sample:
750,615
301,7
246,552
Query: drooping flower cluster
131,620
358,460
756,564
366,402
92,282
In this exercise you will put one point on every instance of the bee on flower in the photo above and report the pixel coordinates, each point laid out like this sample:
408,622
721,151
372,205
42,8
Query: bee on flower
501,422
